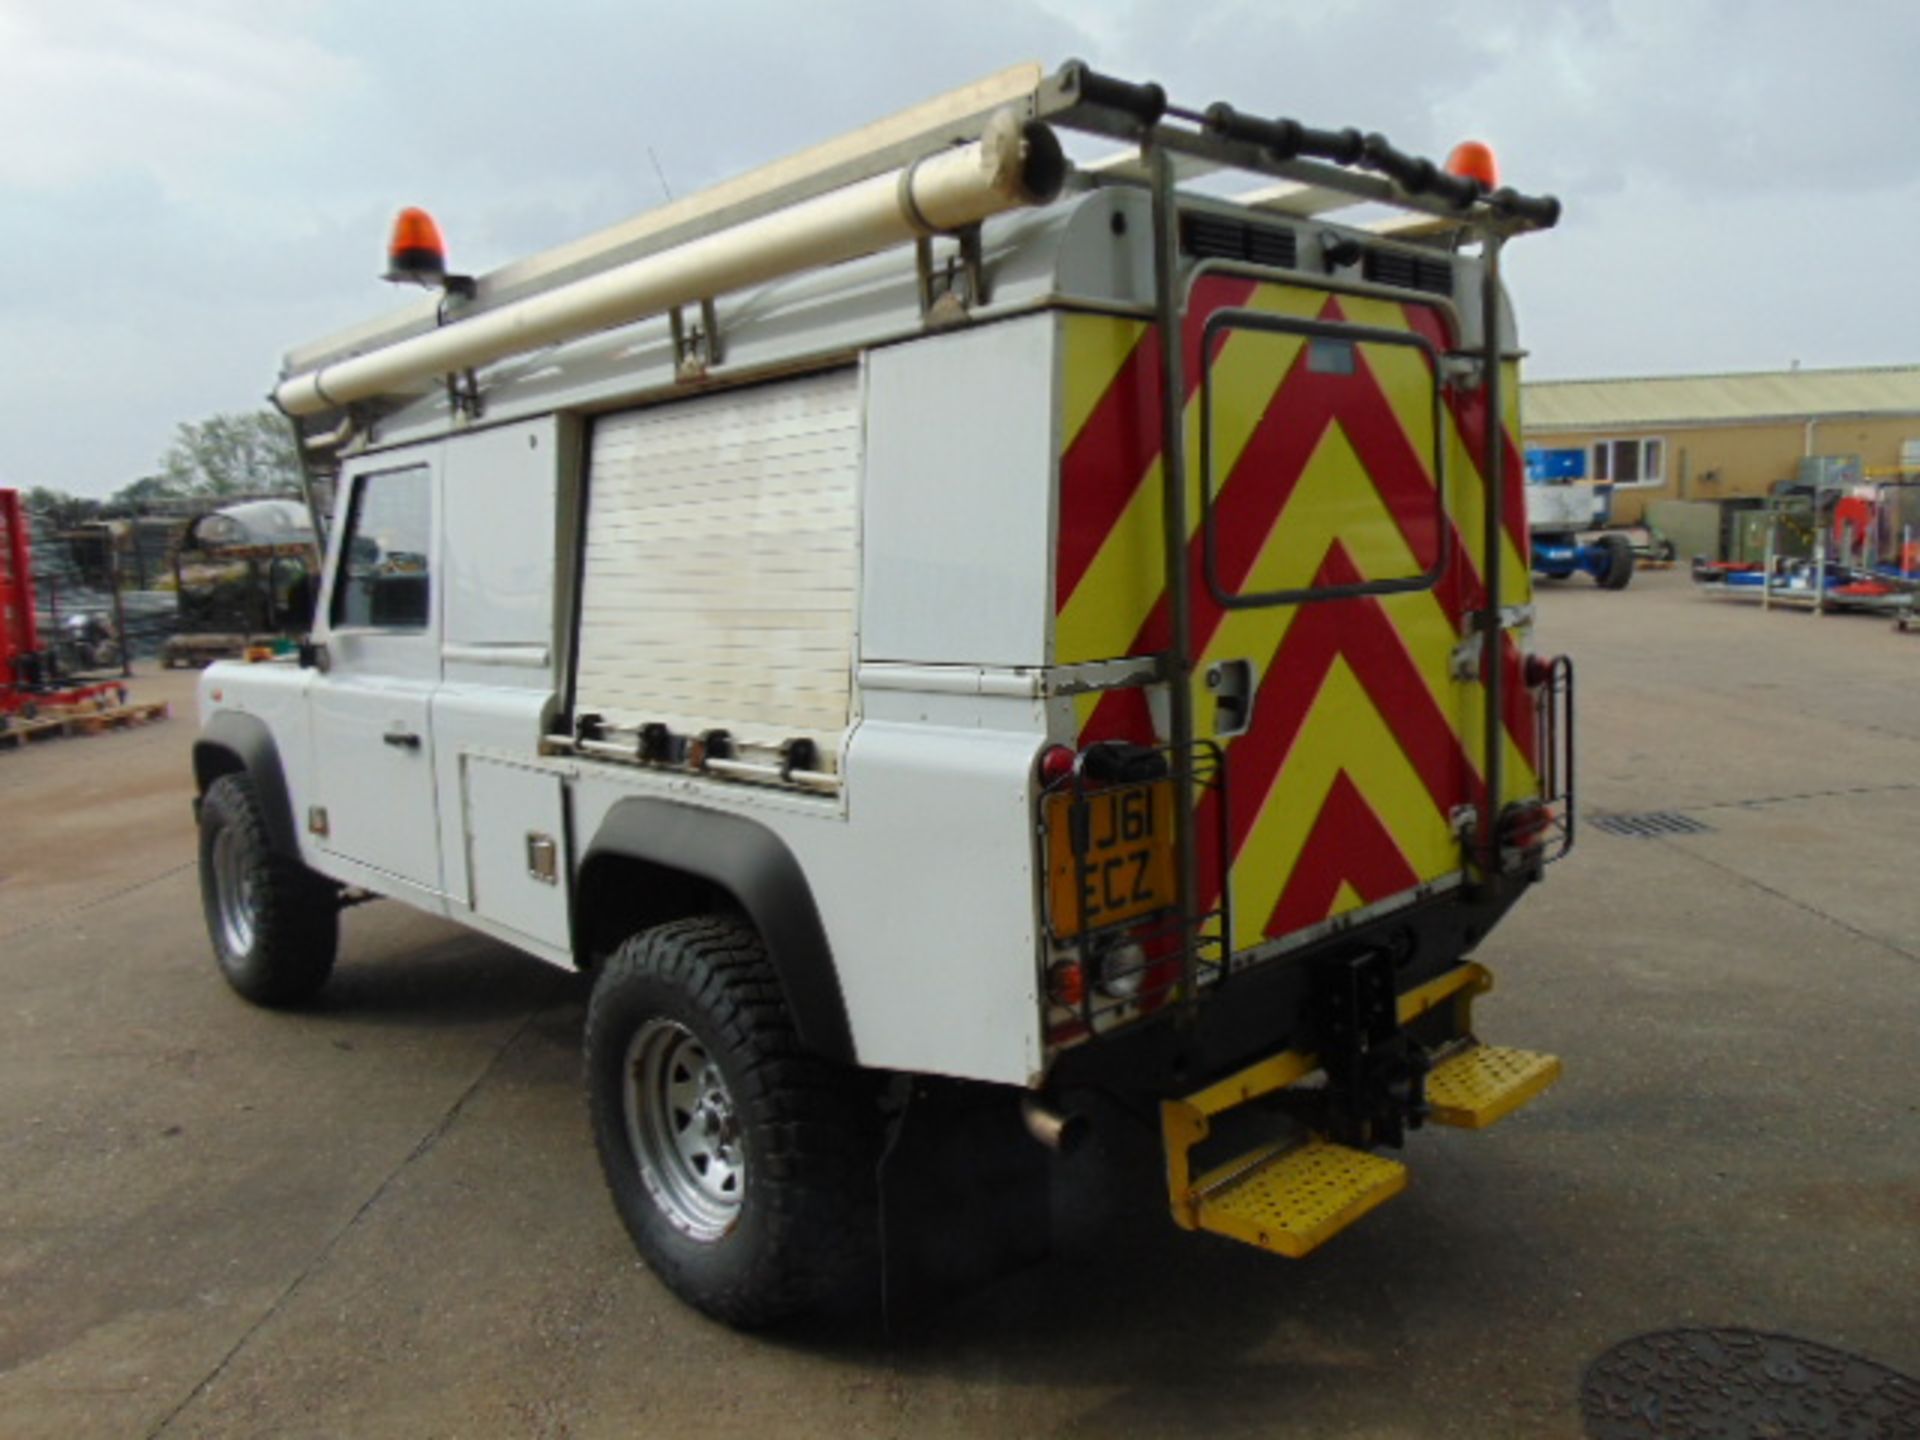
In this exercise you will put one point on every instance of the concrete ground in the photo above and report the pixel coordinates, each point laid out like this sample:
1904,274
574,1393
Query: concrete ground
384,1217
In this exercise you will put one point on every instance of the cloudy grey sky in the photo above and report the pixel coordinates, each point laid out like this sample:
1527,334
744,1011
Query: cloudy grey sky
188,187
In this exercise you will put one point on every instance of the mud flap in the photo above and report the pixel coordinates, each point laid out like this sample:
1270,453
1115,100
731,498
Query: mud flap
964,1197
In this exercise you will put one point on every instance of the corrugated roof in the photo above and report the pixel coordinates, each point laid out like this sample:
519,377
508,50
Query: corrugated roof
1718,399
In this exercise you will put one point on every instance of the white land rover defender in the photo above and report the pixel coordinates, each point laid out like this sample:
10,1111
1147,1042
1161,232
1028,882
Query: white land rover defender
935,632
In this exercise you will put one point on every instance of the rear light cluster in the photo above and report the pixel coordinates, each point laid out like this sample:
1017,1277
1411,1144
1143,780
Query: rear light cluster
1525,826
1532,833
1117,971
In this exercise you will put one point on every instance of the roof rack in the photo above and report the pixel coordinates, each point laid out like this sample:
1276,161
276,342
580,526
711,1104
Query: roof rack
1322,166
1319,172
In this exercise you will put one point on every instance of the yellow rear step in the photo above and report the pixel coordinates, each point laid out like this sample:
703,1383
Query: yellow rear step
1292,1199
1479,1084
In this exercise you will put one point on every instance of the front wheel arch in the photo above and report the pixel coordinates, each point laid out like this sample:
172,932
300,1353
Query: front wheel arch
231,743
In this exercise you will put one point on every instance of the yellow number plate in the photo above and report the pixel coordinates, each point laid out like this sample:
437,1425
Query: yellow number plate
1126,869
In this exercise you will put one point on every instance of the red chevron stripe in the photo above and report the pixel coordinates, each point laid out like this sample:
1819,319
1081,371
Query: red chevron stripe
1469,411
1119,442
1348,846
1359,632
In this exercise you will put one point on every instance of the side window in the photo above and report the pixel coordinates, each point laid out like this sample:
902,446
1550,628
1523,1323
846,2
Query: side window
385,557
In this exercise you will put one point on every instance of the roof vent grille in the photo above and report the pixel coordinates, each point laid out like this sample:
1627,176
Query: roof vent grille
1216,237
1409,272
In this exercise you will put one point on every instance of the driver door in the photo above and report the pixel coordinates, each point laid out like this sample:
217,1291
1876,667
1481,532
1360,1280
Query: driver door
380,623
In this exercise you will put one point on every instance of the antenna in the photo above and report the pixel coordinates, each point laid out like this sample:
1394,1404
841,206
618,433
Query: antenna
659,174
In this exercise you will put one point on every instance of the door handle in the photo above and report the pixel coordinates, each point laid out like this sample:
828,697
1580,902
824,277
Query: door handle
402,739
1231,682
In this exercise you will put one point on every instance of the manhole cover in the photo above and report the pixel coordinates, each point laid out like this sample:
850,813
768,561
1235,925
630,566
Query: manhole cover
1650,824
1743,1385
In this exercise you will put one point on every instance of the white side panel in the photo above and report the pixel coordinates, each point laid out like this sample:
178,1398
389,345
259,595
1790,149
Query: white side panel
509,809
929,901
497,555
500,652
960,456
721,560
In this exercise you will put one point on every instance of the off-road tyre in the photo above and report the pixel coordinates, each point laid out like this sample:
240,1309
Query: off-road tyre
284,953
808,1131
1619,562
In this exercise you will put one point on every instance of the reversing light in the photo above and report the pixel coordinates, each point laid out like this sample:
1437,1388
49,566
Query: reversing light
1474,160
1122,968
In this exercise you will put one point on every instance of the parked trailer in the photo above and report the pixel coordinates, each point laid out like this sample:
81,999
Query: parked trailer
936,635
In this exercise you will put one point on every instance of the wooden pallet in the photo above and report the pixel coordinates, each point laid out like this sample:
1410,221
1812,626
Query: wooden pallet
80,720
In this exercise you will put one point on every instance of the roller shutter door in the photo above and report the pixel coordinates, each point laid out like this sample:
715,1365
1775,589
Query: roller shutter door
720,563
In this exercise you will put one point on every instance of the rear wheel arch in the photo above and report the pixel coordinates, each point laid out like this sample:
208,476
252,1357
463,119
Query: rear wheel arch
653,861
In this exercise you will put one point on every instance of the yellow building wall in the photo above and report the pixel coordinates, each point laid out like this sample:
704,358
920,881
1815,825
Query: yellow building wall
1715,462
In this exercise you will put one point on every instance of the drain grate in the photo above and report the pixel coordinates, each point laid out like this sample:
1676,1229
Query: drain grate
1649,824
1695,1384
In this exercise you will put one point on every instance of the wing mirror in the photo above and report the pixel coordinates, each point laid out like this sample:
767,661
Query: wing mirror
313,656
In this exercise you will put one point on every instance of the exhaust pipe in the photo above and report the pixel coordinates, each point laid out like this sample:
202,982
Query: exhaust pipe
1014,164
1061,1133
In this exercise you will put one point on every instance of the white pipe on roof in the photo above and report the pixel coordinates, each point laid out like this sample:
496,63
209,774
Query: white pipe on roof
1010,166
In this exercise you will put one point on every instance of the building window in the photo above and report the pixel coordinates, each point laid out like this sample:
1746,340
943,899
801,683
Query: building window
1630,462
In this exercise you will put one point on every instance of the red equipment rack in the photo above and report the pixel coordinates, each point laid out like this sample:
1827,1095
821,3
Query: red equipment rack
29,677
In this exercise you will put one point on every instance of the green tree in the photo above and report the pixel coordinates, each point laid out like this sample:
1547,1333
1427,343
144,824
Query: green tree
236,454
142,492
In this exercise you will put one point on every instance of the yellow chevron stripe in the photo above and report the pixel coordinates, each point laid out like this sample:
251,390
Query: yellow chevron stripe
1115,596
1468,498
1345,898
1344,732
1516,584
1093,349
